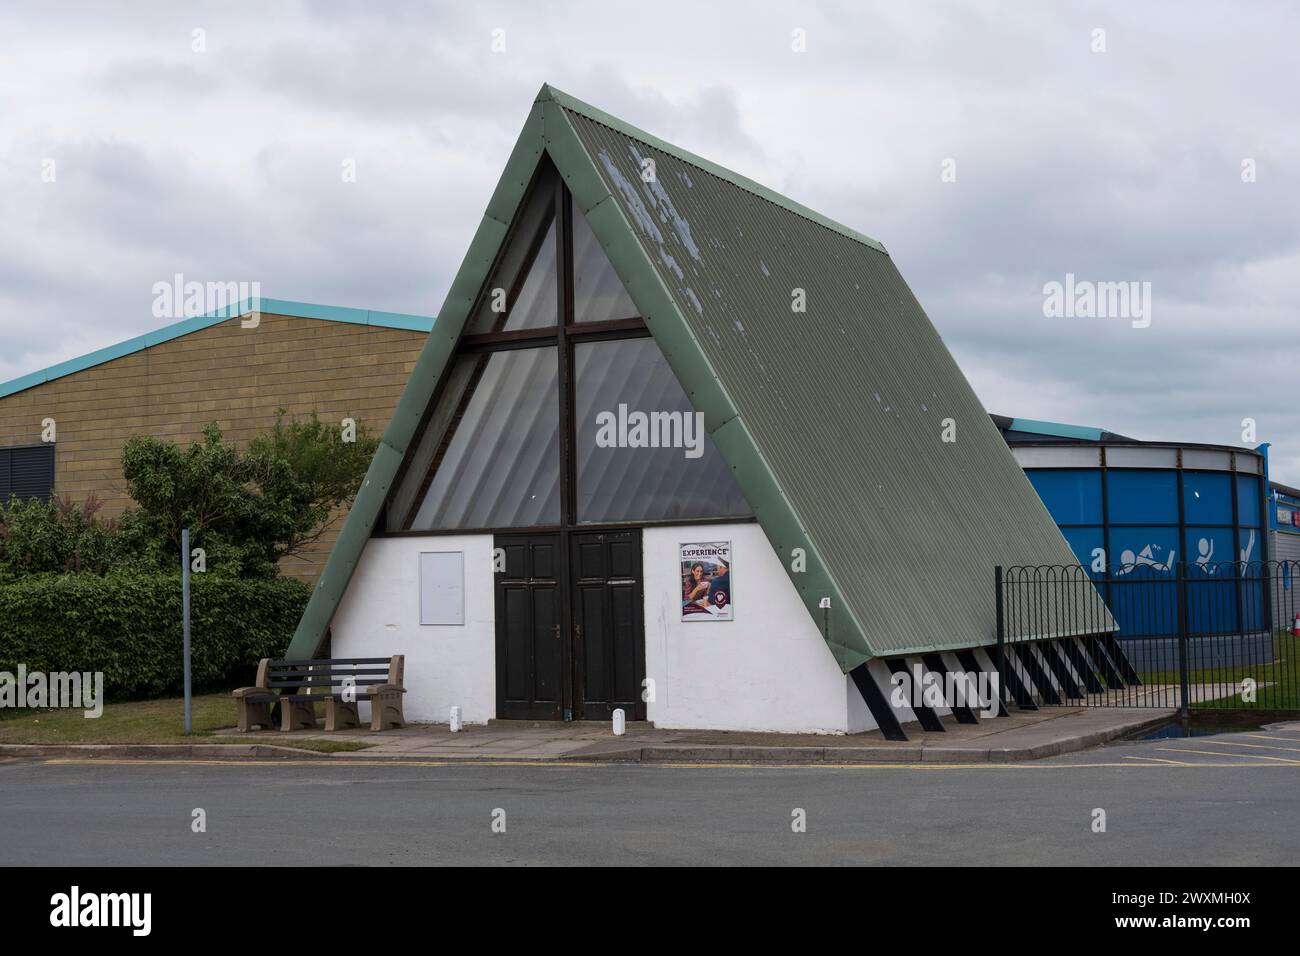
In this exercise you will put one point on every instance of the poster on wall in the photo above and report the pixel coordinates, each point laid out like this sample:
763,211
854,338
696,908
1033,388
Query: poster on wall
706,582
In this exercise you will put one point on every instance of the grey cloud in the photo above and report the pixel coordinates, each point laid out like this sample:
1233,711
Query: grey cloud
155,77
1115,166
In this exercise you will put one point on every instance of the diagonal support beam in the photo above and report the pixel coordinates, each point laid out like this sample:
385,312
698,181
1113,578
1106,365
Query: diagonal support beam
1117,655
928,718
877,703
1054,654
1107,667
934,663
968,660
1037,674
1080,657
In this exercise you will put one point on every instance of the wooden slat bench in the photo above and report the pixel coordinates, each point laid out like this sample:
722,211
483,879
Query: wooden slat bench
341,682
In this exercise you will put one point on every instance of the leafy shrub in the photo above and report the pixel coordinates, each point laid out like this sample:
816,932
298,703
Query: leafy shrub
39,537
247,509
128,625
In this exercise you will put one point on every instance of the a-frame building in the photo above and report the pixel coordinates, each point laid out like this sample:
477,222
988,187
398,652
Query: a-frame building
544,533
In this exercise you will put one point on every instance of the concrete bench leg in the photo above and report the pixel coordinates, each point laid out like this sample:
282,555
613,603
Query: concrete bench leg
340,714
386,711
254,714
297,715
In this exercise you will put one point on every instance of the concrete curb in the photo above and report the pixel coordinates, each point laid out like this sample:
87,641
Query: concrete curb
848,755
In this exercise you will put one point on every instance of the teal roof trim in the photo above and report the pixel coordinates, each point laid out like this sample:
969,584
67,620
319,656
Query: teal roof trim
1058,429
302,310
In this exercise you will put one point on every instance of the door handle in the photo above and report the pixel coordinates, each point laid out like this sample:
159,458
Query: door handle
555,632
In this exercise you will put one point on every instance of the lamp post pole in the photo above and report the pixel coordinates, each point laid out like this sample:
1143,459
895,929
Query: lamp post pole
185,624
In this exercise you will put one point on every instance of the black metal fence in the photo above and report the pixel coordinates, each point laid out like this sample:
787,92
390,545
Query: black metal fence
1200,635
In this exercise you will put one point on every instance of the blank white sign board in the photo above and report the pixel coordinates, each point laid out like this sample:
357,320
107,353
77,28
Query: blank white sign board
442,587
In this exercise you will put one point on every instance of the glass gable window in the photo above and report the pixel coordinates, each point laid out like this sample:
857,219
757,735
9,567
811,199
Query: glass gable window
531,303
642,452
500,465
573,420
598,293
523,290
534,305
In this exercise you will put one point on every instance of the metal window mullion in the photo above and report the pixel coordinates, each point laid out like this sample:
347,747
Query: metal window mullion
568,437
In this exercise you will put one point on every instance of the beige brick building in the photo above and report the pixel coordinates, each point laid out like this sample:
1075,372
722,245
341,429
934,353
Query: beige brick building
170,383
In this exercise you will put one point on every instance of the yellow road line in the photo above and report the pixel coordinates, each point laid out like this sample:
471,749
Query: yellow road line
1239,743
1288,761
587,765
1162,760
560,764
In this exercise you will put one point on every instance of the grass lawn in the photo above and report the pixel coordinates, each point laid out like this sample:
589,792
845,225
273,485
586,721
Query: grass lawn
1280,697
1283,673
147,722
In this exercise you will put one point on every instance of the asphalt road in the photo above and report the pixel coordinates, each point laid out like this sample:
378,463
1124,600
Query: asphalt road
1224,800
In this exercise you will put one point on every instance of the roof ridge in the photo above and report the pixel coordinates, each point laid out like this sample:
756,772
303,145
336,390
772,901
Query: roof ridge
753,187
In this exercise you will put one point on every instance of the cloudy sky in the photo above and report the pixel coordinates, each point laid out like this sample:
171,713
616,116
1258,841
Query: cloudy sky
1132,163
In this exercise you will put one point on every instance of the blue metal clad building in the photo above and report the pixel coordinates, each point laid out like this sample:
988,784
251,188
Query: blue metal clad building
1132,510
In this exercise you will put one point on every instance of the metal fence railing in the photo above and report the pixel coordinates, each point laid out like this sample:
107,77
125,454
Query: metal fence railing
1203,635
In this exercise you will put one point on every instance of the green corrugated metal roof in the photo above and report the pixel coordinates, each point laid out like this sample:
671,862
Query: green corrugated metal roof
304,310
831,419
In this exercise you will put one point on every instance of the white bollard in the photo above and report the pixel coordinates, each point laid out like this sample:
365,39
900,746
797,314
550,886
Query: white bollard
455,720
620,722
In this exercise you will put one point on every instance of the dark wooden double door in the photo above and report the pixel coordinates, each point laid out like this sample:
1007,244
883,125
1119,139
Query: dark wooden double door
570,627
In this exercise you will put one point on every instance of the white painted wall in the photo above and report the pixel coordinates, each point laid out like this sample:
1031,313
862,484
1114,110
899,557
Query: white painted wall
769,669
379,615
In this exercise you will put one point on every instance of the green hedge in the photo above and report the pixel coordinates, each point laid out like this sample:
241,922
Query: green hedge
128,625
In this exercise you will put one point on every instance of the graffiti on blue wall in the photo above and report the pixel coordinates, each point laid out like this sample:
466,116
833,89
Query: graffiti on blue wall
1128,525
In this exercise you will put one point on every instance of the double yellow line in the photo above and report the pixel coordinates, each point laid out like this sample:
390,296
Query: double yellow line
1130,762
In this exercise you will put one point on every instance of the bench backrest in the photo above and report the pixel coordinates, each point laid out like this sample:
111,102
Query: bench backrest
327,674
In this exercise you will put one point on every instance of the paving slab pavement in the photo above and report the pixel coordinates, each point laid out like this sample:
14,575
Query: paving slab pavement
1025,735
